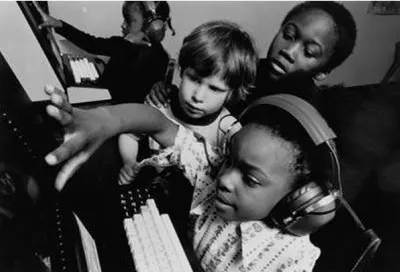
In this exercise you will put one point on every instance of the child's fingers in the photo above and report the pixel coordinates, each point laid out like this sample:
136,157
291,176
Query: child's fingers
152,99
145,43
162,96
70,168
50,89
45,24
126,174
62,102
62,117
71,146
147,100
123,178
158,95
58,98
129,172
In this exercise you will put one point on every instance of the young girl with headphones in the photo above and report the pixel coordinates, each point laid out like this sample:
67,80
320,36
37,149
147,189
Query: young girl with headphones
137,59
255,202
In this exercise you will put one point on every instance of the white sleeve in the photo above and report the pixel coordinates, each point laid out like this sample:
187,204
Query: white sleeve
190,152
194,155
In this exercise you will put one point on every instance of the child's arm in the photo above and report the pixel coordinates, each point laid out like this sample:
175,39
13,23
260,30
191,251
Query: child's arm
86,130
128,149
88,42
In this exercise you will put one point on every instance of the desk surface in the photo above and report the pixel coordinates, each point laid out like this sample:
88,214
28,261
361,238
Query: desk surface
78,95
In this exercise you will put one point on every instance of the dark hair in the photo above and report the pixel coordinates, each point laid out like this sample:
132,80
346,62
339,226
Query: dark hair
311,162
345,28
163,10
221,47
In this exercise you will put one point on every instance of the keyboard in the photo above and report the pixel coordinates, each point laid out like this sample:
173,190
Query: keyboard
153,242
82,68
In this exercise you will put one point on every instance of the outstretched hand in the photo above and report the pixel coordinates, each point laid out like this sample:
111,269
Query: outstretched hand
84,132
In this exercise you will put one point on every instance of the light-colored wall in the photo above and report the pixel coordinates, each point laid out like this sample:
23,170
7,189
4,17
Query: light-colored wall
368,64
374,51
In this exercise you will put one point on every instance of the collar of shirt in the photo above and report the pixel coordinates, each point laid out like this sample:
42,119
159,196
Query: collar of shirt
255,235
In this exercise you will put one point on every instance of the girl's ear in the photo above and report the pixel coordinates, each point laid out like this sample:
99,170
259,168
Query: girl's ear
320,76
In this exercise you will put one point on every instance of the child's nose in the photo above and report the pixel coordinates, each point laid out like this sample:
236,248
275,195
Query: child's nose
199,93
290,52
227,180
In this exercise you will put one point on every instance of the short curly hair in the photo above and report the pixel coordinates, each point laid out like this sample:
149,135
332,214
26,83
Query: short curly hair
221,48
345,27
310,162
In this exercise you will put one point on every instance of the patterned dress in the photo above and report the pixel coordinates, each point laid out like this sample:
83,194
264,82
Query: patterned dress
227,245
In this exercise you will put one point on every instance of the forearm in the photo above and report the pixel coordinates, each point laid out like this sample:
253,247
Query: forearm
84,40
140,118
68,31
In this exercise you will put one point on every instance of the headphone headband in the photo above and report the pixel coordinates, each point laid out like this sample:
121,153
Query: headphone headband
306,114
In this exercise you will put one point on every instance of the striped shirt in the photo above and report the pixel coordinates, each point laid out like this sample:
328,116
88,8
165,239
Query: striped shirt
227,245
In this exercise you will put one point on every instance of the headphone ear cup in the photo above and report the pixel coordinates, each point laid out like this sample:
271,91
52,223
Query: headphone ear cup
153,23
312,222
304,210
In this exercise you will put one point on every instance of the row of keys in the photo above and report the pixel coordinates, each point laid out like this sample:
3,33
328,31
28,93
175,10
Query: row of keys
83,69
153,241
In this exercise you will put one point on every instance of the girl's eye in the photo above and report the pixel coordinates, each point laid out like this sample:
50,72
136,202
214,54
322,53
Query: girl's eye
310,53
289,34
193,77
217,90
251,181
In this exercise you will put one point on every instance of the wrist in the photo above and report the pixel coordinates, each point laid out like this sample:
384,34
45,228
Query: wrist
111,124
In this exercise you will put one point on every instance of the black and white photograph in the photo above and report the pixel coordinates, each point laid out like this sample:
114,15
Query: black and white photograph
199,136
